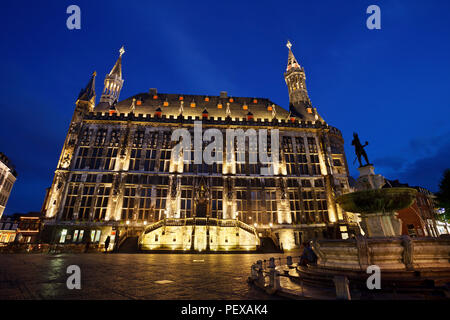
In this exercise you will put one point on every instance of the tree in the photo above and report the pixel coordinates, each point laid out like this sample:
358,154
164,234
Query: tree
443,195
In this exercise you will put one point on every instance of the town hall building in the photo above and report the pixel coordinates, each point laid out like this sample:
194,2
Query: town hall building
118,175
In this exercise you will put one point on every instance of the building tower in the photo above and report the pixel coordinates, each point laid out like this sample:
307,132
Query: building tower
84,104
86,99
113,82
299,103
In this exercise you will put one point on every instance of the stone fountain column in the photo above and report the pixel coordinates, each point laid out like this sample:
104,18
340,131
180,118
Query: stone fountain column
377,210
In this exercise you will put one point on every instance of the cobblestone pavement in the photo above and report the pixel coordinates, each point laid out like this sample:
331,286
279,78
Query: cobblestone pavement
130,276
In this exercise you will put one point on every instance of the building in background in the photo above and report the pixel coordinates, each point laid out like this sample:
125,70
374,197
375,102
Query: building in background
420,219
8,176
20,227
8,230
117,172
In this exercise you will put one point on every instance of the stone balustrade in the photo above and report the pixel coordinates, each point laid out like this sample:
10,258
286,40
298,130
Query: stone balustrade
393,253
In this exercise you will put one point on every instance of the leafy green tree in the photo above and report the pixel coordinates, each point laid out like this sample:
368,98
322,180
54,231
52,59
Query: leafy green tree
443,195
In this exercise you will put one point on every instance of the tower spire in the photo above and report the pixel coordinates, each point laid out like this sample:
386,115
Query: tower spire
86,98
292,61
113,81
299,103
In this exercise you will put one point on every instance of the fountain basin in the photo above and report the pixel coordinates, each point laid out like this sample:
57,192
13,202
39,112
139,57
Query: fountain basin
377,200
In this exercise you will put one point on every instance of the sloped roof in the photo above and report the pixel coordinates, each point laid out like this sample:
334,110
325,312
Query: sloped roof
149,104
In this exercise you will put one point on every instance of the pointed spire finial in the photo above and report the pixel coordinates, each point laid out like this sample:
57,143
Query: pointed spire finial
289,45
121,51
94,74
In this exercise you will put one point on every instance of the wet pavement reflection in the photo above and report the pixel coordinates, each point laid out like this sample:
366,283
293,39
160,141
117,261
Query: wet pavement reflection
131,276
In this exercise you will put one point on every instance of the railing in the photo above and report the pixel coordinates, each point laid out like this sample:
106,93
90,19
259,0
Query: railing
200,222
153,226
260,271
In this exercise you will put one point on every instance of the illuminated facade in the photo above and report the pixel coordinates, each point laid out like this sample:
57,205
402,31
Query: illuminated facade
117,172
8,177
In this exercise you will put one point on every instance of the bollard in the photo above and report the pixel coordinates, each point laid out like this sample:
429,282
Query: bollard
260,281
289,261
274,281
272,262
259,264
254,272
342,288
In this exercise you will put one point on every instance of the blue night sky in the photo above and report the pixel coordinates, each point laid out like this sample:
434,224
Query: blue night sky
392,86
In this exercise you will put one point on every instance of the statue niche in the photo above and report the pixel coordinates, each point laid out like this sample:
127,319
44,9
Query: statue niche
202,200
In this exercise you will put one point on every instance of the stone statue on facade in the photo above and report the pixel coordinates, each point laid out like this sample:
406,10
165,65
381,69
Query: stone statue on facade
133,105
174,188
359,149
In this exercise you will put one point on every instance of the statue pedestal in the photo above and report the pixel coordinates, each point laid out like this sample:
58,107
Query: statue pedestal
368,179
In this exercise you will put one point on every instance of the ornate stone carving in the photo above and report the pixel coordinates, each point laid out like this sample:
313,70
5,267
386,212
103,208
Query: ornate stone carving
174,187
116,187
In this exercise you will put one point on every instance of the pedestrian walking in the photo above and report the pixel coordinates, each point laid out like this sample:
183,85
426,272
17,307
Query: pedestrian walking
108,239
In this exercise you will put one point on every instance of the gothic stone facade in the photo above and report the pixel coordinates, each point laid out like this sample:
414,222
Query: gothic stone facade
8,177
117,172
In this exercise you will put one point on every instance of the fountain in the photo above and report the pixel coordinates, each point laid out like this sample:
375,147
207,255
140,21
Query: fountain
403,261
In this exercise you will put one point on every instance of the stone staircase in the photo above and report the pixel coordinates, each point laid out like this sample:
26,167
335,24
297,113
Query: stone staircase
129,245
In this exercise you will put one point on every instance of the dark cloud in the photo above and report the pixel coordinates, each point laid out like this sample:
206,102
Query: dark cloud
427,171
390,162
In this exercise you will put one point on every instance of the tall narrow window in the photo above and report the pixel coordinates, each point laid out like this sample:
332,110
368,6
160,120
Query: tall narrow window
128,203
145,204
71,198
216,204
101,203
86,202
186,203
271,207
160,203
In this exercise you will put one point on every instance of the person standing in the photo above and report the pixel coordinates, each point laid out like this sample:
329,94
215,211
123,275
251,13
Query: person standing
108,239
